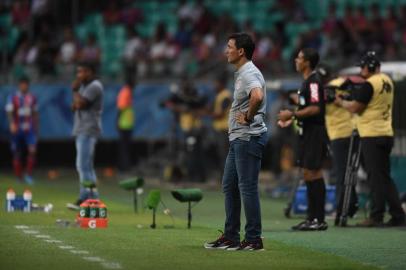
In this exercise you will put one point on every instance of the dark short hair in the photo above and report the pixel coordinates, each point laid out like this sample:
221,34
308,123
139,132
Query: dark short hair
311,55
243,40
88,65
24,79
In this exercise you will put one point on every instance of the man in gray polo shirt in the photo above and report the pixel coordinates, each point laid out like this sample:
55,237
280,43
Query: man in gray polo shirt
247,136
87,106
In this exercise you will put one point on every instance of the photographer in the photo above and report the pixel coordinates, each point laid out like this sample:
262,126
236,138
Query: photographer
373,103
189,107
340,125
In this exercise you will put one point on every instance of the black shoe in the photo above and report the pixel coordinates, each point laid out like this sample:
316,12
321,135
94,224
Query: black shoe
313,225
395,222
221,243
318,225
250,245
74,206
301,225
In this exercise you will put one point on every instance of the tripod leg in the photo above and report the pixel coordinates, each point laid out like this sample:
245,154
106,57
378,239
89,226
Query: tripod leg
189,216
292,195
350,178
153,225
135,201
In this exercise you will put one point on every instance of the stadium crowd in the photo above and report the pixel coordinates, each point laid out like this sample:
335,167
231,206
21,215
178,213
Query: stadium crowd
43,37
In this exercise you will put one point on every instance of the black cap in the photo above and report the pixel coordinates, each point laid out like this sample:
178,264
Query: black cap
370,60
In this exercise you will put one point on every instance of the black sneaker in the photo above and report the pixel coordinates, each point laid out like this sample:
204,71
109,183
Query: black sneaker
315,225
301,225
74,206
250,245
221,243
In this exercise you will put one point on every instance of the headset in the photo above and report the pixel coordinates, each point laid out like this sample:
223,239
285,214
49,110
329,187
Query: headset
370,60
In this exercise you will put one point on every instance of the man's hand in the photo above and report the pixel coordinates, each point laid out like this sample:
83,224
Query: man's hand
76,85
241,118
13,128
284,124
285,115
338,101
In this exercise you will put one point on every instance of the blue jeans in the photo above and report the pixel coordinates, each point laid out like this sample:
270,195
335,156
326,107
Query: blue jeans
85,146
241,177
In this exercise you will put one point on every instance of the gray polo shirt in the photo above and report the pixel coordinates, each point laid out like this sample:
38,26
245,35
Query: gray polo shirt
247,78
87,121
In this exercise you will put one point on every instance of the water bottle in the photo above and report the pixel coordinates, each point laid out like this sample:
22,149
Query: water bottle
102,210
10,197
27,196
94,210
84,210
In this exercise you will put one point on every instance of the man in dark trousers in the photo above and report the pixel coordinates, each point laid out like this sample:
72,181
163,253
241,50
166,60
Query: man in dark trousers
313,137
373,103
125,124
247,136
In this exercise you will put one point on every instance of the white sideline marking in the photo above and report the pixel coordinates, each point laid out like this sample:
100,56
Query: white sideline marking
21,227
111,265
93,259
53,241
43,236
47,238
66,247
79,251
30,232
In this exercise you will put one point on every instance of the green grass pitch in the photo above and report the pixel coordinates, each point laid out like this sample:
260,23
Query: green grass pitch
129,243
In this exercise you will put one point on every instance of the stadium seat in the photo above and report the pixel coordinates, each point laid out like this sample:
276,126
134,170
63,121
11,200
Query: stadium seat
5,21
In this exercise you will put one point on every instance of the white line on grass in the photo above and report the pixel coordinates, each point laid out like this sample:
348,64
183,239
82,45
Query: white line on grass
66,247
111,265
93,259
46,238
20,227
53,241
43,236
30,232
79,251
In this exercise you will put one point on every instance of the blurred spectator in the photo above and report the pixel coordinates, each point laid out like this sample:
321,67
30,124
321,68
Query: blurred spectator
330,22
203,21
133,50
21,13
68,53
130,16
45,58
183,36
21,55
189,11
196,43
91,52
112,14
161,50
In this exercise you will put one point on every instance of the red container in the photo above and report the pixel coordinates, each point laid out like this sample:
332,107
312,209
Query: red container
92,223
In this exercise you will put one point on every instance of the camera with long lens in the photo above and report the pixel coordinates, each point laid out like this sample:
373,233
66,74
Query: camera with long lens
346,90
